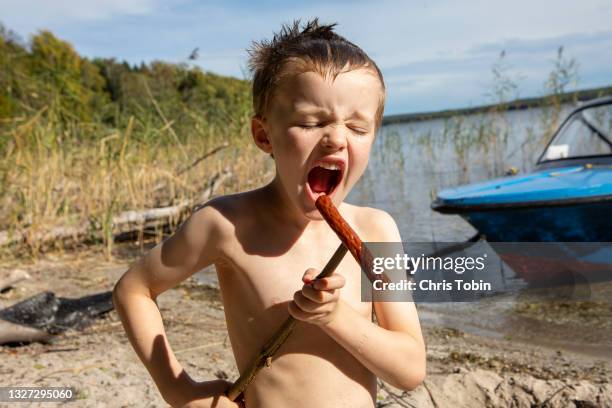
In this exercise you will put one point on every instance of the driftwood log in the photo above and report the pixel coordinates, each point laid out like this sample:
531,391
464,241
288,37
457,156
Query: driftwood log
17,333
124,223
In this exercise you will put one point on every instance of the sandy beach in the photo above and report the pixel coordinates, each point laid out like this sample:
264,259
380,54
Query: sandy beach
464,369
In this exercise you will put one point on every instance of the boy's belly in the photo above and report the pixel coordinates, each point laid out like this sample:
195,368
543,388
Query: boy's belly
312,370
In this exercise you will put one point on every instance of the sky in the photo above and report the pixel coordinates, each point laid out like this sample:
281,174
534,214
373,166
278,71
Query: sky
434,54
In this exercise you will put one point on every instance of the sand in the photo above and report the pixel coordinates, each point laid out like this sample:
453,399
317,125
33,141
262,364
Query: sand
464,370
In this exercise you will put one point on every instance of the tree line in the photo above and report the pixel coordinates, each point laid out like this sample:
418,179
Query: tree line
46,73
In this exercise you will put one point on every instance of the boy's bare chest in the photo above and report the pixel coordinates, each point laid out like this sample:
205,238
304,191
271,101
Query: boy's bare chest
273,279
256,289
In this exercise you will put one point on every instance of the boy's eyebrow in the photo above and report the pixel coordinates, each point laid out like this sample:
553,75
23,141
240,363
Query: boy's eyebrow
313,111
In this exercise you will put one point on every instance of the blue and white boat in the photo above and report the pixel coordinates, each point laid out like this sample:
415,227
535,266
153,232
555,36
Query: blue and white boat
567,198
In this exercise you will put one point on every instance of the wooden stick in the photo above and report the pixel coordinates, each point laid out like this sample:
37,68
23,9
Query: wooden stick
264,357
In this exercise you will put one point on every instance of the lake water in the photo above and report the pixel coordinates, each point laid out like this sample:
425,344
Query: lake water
411,162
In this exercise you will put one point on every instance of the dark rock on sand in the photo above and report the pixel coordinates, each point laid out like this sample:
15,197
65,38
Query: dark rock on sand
44,315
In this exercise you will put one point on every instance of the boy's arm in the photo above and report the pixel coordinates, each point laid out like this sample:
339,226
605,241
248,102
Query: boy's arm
193,247
394,350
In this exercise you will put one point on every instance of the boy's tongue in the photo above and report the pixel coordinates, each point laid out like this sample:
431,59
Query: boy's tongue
322,180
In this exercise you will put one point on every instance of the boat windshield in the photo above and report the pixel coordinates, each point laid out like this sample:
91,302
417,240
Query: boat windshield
587,133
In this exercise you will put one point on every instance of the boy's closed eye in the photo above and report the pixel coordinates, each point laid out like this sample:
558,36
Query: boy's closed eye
310,125
314,125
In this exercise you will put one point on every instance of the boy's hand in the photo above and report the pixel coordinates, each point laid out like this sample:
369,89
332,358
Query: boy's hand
317,302
208,394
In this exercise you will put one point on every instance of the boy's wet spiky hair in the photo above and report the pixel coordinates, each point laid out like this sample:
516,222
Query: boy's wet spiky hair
314,48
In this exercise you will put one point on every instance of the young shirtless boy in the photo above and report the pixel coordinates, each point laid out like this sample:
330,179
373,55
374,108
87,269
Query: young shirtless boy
318,102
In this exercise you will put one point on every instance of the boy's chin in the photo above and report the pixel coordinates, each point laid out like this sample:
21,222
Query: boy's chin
313,215
307,207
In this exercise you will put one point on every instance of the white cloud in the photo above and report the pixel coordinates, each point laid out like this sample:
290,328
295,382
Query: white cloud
27,16
404,32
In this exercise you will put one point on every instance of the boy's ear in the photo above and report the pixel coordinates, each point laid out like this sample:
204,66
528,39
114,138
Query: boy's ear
259,131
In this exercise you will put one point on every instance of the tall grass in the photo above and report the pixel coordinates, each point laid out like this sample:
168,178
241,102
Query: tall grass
83,140
484,137
58,175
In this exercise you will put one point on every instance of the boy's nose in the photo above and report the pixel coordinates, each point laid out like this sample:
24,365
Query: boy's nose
334,137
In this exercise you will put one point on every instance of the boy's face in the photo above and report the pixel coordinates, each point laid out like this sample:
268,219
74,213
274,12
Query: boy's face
320,134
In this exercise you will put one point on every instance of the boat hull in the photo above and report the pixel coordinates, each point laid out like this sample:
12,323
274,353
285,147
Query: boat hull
558,226
579,222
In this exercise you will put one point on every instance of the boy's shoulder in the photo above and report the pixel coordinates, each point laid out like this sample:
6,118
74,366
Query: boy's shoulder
227,203
225,208
371,224
227,212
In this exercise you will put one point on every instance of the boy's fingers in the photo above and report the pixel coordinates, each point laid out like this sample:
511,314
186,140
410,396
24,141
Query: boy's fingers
334,281
295,311
310,275
304,303
317,296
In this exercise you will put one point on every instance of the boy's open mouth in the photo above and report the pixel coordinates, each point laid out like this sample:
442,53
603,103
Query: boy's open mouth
324,178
